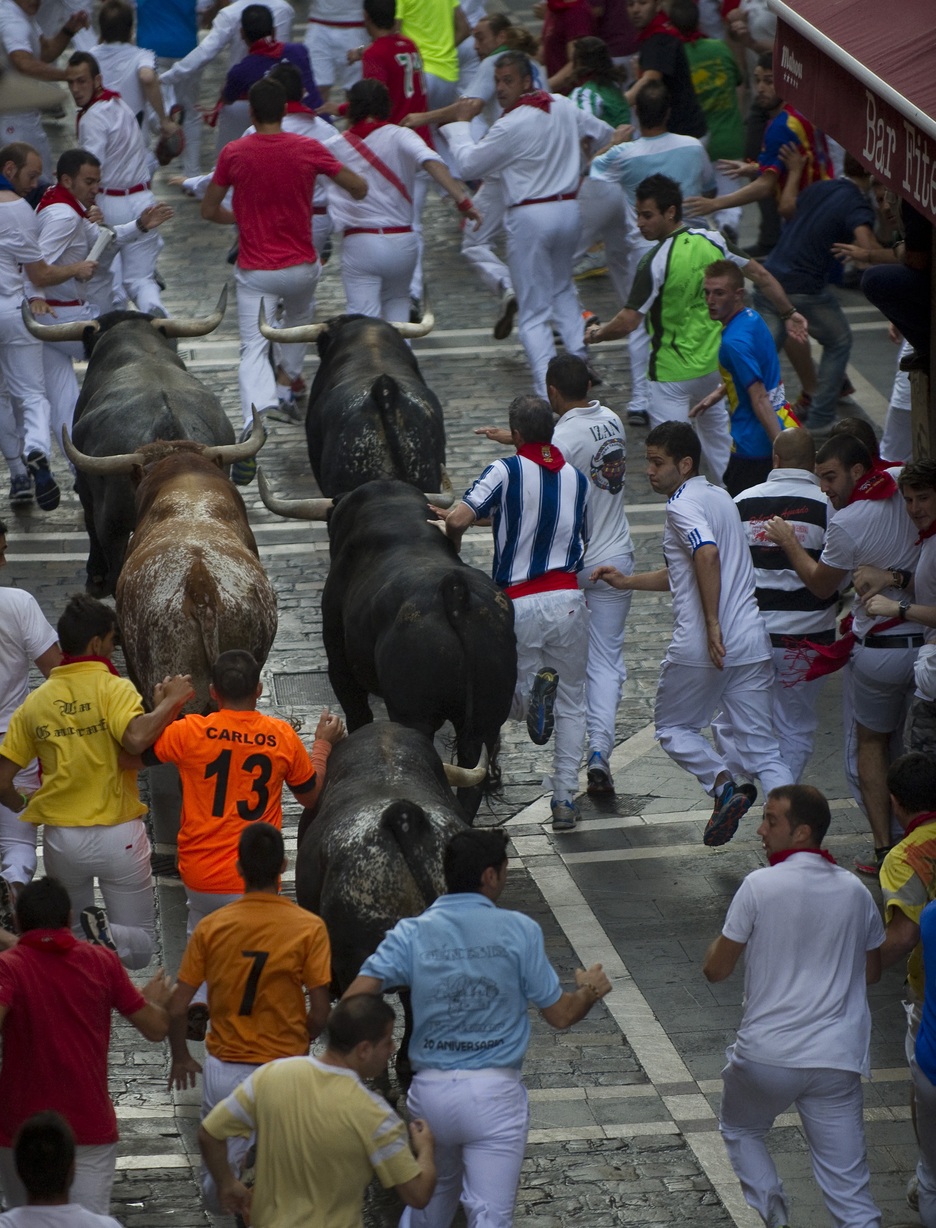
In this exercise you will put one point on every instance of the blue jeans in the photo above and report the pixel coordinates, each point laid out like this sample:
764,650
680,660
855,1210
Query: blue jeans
828,325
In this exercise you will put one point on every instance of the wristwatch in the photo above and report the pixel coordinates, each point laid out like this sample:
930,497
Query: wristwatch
902,609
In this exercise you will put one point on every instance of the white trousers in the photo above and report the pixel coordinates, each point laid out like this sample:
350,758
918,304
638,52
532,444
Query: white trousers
606,674
603,209
925,1097
185,92
295,286
478,245
233,118
57,365
219,1079
830,1105
687,698
17,838
91,1188
328,48
541,243
638,342
27,126
552,630
21,369
671,400
119,858
480,1121
421,186
376,271
136,266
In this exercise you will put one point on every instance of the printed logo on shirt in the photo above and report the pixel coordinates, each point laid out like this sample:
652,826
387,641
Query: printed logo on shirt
608,467
235,735
467,996
71,731
69,707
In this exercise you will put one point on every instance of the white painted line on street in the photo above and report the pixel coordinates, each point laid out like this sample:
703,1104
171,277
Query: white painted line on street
710,1151
130,1163
129,1112
680,850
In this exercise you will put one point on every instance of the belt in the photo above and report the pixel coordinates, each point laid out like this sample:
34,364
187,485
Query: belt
544,200
73,302
137,187
892,641
385,230
340,25
814,637
319,209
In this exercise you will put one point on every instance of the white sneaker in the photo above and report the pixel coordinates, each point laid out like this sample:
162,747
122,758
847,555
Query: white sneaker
592,264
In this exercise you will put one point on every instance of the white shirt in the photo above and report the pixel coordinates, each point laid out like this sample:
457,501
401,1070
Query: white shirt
808,925
24,636
225,32
786,604
337,10
19,245
482,86
17,33
66,237
881,534
403,152
69,1216
593,441
109,130
696,515
120,65
536,154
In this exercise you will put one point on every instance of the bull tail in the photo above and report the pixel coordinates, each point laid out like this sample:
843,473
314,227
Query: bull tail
407,823
385,391
201,604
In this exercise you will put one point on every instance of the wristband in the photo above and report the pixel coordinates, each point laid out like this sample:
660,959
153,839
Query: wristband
139,225
25,802
903,609
900,577
788,315
465,205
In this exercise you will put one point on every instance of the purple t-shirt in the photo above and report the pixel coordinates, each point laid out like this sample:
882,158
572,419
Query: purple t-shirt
253,68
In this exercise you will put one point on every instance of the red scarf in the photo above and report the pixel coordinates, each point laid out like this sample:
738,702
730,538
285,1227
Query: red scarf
298,108
49,939
925,533
364,127
534,98
926,817
876,484
58,195
691,36
545,454
823,659
776,858
68,659
659,25
100,96
268,47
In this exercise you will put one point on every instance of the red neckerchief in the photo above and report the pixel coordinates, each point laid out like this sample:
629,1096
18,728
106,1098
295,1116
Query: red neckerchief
57,195
692,36
546,455
68,659
874,486
659,25
776,858
559,6
364,127
267,46
298,108
533,98
925,533
926,817
100,96
49,939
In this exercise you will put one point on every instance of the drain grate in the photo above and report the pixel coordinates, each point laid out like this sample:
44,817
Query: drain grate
307,689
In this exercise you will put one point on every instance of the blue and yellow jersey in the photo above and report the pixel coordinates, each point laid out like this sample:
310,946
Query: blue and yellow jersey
747,355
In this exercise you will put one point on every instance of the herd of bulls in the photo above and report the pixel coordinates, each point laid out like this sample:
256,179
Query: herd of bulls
403,617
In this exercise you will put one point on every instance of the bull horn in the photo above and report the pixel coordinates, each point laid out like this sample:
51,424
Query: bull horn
446,496
57,332
464,778
288,336
300,509
106,465
425,325
229,453
193,326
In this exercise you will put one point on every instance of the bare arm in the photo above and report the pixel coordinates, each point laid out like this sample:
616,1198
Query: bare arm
901,936
444,115
455,188
353,184
620,325
363,984
462,25
766,414
721,958
763,186
170,696
152,92
152,1020
775,294
31,66
319,1006
457,521
233,1196
873,966
10,797
212,209
821,579
48,660
184,1068
42,274
569,1008
707,567
418,1190
649,74
643,582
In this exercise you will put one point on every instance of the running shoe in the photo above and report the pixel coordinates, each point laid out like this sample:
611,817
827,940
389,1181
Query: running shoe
96,926
288,409
872,868
540,719
20,490
730,808
565,814
847,389
801,407
638,417
913,1193
47,491
503,325
599,774
592,264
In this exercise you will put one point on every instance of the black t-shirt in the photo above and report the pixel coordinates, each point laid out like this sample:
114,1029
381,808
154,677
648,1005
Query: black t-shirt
665,54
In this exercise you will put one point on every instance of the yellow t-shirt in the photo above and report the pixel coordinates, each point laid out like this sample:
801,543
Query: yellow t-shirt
908,883
321,1136
256,954
73,724
431,26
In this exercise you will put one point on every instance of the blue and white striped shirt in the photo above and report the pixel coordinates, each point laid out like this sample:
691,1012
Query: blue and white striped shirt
539,517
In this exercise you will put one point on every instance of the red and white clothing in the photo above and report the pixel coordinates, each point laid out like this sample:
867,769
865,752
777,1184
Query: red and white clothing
18,32
335,27
380,248
396,62
536,149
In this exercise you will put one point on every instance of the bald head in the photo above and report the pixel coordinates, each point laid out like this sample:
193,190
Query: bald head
794,449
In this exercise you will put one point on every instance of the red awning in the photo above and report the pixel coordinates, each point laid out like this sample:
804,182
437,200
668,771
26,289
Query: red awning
865,72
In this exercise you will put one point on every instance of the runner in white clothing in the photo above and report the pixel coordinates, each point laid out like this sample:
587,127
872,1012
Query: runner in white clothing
536,148
335,28
107,128
719,656
379,251
127,69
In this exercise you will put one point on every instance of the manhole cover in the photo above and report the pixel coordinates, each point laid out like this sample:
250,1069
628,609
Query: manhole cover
309,689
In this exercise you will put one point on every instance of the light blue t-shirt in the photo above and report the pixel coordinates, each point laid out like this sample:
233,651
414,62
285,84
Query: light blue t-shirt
682,158
472,967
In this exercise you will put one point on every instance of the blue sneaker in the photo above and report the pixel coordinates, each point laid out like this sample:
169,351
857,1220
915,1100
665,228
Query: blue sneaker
599,774
540,720
20,490
730,808
47,491
97,928
565,814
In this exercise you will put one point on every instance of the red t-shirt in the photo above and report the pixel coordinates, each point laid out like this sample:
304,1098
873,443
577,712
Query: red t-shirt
59,994
273,176
396,62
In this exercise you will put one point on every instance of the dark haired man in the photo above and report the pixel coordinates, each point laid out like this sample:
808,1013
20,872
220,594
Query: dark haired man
258,957
720,652
803,1037
263,52
322,1134
471,968
662,58
77,723
870,528
56,998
